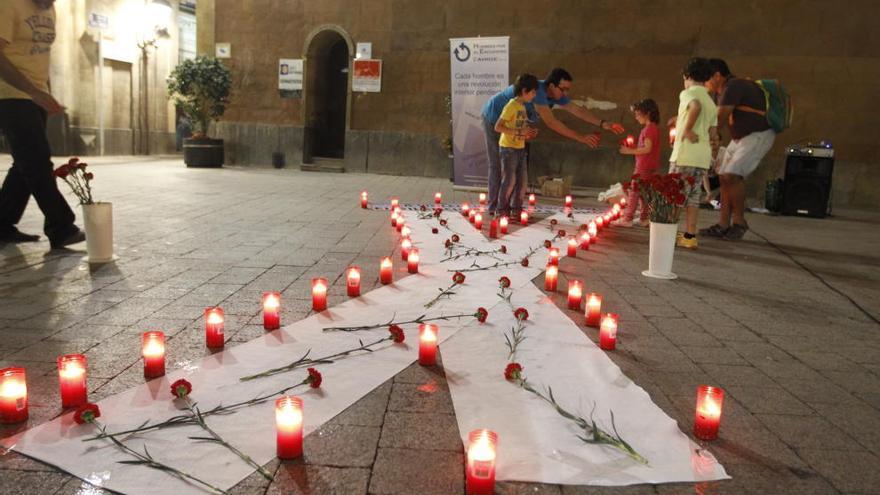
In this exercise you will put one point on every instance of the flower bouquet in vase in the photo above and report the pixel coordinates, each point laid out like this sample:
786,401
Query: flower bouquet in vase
665,197
97,217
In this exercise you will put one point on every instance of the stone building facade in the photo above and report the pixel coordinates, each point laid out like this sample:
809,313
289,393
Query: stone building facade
827,56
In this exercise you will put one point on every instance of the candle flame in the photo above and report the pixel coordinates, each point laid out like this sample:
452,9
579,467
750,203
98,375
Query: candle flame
405,231
709,408
575,291
503,221
72,370
482,449
552,271
154,348
413,256
429,335
406,243
288,415
215,317
364,195
271,302
13,389
386,262
354,275
319,287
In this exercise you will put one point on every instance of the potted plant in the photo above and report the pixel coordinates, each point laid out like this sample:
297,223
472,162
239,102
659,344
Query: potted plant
200,87
665,197
97,217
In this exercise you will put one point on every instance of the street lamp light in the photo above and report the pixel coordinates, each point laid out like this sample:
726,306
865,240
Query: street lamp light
157,15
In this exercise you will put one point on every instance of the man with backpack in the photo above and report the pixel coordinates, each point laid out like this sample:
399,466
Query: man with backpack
743,107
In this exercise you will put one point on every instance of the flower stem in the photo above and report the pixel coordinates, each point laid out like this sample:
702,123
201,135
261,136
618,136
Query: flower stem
419,320
200,420
305,361
443,293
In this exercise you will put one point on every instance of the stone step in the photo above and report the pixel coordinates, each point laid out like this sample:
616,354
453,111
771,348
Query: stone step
332,165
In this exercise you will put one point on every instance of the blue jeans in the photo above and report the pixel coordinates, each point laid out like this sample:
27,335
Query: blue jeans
514,178
492,139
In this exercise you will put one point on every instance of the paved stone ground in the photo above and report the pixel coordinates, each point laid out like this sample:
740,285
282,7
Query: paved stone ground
762,318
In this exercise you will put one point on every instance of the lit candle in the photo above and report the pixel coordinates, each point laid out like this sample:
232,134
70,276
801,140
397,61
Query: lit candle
319,294
353,281
214,319
708,416
438,198
478,221
395,203
405,247
465,209
364,199
551,278
13,396
482,198
600,222
568,200
594,309
616,208
553,258
153,351
572,248
608,332
405,231
386,271
472,214
412,261
289,427
593,230
427,344
575,294
400,222
607,218
532,200
630,141
72,378
502,224
672,133
585,240
524,218
482,445
493,229
394,219
623,201
271,310
396,209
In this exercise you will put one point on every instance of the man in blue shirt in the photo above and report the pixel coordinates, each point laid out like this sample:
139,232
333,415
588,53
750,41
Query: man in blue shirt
552,92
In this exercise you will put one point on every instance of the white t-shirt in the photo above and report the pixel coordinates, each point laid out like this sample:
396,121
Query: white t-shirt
29,31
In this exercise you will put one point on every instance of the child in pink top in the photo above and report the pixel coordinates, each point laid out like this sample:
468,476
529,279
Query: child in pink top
647,153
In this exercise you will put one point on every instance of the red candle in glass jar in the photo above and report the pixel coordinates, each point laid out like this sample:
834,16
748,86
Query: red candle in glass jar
572,248
553,258
386,271
289,427
405,247
551,278
568,200
13,396
214,320
524,218
630,141
153,351
493,229
585,241
427,344
593,230
72,379
364,199
394,217
271,310
708,416
465,209
622,201
472,214
405,231
593,312
438,198
480,469
478,221
532,200
575,294
608,332
412,261
502,224
353,281
319,294
600,223
482,198
395,203
400,222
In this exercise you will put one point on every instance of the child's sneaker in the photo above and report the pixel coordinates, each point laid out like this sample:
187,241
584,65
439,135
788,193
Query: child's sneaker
622,222
686,243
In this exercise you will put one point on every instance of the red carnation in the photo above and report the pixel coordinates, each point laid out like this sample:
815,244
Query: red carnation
553,221
87,413
691,180
62,171
482,314
458,278
438,211
397,334
521,314
73,161
561,233
504,282
89,176
443,222
524,262
513,371
314,380
455,238
448,244
435,230
181,388
423,208
548,243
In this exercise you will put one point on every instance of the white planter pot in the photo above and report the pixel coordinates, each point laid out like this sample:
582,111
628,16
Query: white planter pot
98,219
661,251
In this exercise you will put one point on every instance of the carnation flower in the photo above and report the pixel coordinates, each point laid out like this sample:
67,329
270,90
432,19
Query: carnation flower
87,413
423,208
504,282
455,238
524,262
397,334
521,314
435,230
482,315
181,388
314,380
561,233
553,221
443,222
448,244
458,278
548,243
503,249
513,371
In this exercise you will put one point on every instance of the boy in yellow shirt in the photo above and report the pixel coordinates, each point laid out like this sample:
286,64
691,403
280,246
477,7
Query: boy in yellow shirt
514,130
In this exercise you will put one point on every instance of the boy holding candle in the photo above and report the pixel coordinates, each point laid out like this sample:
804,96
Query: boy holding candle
692,151
512,126
647,153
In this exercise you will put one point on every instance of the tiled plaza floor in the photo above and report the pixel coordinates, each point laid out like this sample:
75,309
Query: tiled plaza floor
774,319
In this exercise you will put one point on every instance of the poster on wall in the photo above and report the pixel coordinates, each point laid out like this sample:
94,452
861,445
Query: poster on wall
290,74
367,77
480,68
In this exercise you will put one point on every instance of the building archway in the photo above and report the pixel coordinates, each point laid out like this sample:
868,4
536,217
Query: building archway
327,93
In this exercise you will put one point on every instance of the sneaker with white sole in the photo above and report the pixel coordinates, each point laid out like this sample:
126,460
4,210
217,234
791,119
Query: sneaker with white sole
686,243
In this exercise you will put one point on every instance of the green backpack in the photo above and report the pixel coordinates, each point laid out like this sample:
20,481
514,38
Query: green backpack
778,104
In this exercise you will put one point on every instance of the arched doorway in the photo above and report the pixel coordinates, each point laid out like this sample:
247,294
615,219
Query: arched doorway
328,61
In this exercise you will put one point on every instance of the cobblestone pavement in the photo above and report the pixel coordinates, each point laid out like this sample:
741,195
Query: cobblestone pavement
774,319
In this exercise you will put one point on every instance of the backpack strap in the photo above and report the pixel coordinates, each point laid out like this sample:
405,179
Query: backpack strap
745,108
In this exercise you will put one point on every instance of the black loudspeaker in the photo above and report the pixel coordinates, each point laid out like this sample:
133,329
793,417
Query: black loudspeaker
807,189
